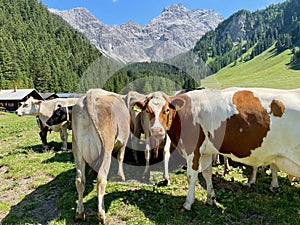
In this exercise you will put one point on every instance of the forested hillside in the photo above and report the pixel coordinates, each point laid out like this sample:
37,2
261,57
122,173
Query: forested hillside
146,77
39,50
252,33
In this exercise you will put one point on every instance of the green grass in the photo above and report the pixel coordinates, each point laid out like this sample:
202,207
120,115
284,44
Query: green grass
269,69
38,187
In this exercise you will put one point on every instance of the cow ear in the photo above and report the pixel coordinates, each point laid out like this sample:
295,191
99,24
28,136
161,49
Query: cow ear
138,106
177,103
57,106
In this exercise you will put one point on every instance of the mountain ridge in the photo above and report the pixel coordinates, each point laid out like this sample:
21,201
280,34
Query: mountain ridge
174,31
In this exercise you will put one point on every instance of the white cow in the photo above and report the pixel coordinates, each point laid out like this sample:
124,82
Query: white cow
100,124
43,110
254,126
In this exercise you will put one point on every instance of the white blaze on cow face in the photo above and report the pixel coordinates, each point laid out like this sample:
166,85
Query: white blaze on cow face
157,113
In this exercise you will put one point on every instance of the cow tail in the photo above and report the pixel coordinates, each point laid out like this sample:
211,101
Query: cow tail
91,101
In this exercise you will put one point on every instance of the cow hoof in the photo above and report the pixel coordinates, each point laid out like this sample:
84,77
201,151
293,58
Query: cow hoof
45,148
164,183
226,171
275,189
249,184
101,218
211,202
121,177
80,217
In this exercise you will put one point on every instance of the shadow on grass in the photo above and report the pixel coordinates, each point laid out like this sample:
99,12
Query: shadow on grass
62,156
55,146
48,202
56,201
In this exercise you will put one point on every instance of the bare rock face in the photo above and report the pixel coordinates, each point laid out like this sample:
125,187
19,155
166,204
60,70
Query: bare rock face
174,31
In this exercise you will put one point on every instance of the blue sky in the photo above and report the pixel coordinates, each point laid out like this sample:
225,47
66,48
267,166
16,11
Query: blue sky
142,11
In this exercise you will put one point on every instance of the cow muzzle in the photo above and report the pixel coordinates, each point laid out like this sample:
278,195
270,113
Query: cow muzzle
158,132
19,113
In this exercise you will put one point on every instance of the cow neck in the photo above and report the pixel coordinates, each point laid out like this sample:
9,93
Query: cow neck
37,116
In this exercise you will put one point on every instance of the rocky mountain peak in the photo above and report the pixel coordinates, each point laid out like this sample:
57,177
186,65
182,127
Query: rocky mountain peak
174,31
175,8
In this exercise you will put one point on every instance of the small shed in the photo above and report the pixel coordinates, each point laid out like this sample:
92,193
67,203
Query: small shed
10,99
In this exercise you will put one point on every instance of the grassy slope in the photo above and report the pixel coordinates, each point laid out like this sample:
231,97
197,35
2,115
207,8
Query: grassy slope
269,69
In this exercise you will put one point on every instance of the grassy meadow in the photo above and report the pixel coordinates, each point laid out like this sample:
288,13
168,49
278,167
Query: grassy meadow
38,187
269,69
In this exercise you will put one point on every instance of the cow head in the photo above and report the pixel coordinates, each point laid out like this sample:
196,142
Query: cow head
29,107
158,111
61,114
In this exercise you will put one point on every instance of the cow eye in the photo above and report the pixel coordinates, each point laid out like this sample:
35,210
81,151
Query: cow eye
147,111
166,111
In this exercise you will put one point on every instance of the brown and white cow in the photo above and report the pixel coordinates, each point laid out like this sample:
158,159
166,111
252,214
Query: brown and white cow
139,125
43,110
100,124
255,126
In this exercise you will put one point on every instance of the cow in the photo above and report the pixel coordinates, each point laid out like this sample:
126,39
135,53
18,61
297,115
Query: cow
138,125
100,125
43,110
253,126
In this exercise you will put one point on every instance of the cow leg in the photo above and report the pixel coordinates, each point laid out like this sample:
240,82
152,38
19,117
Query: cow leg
226,165
135,138
146,175
167,155
43,134
121,154
207,174
216,159
252,178
80,184
101,185
274,183
64,137
192,176
134,147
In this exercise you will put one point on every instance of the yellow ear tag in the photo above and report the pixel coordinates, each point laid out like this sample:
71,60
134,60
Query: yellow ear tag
177,107
137,108
169,124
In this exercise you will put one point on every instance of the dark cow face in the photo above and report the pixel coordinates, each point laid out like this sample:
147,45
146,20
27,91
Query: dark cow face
59,115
